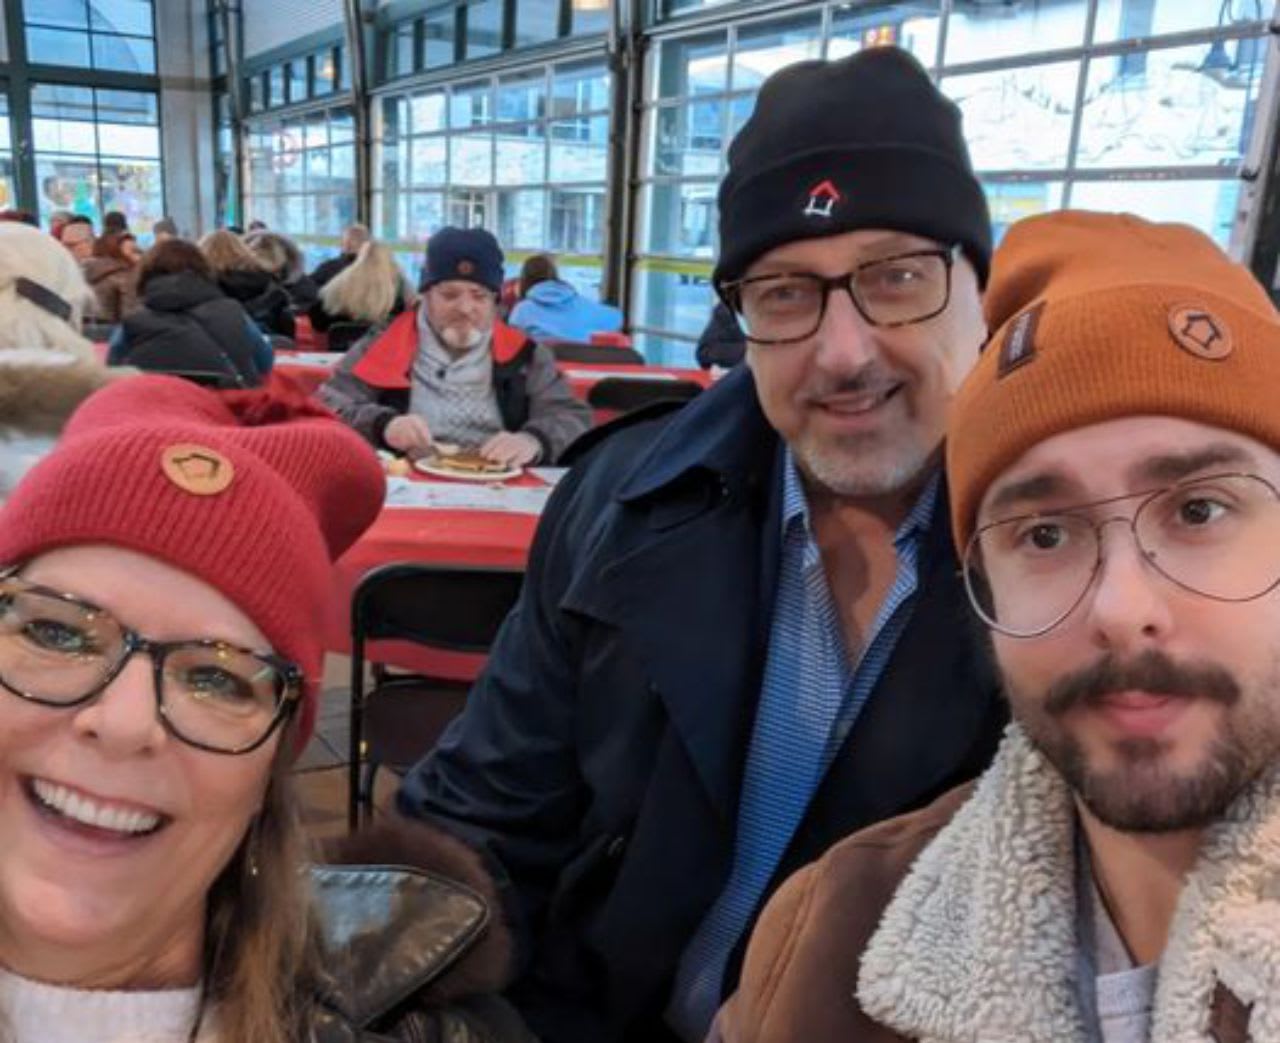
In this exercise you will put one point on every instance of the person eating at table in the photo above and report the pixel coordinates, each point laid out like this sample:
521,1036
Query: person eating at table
741,634
449,372
162,575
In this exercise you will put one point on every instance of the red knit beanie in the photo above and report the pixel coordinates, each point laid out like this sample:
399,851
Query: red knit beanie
253,492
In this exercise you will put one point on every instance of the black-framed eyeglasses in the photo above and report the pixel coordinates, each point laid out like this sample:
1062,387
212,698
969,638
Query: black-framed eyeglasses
787,307
62,651
1216,536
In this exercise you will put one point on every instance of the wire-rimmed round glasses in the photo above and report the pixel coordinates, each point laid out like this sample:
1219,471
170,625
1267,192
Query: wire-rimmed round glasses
784,308
59,650
1216,536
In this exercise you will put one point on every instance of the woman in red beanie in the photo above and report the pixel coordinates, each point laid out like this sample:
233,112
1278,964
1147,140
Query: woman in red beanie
164,572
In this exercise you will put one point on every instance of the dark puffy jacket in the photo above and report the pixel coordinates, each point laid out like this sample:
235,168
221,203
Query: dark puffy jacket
187,324
266,301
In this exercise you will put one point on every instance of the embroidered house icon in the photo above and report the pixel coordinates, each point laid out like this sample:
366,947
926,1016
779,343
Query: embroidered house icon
822,200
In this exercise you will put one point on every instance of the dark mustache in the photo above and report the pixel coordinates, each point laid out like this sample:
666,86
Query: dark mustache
1151,672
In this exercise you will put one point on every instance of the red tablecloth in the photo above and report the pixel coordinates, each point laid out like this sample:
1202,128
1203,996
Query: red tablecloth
433,536
308,369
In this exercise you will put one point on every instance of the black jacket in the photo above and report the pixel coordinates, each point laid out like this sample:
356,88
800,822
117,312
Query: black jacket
599,759
186,323
326,270
266,301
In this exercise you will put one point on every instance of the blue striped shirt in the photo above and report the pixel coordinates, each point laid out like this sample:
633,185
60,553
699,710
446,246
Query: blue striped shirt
810,697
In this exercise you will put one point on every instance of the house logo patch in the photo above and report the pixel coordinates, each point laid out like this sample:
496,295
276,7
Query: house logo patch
823,198
1199,332
196,469
466,268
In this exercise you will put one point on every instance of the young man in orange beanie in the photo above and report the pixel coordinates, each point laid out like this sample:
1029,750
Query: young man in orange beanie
1115,465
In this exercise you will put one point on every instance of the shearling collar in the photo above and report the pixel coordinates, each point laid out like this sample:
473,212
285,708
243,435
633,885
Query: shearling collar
41,387
979,944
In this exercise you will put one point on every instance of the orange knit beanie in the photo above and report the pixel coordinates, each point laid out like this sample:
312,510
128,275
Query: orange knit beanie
1100,316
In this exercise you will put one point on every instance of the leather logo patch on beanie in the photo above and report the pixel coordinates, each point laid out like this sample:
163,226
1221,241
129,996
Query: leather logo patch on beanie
466,268
1019,345
196,469
822,200
1197,330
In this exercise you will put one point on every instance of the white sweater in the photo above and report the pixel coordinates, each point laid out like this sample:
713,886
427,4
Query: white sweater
32,1012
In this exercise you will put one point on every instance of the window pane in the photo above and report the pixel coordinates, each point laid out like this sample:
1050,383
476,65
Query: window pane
521,98
537,21
343,160
136,189
1124,19
869,25
342,126
580,149
275,86
1208,205
120,16
428,158
438,39
297,73
73,136
577,221
520,161
484,28
580,88
589,17
324,72
123,139
1017,119
522,219
59,102
124,54
55,47
763,50
316,132
67,184
471,106
471,159
1182,106
60,14
127,107
681,219
688,139
425,215
661,350
694,65
427,112
1011,201
979,31
467,209
674,296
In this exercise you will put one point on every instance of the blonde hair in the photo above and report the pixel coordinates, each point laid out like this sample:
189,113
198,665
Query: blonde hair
27,252
225,252
366,290
262,953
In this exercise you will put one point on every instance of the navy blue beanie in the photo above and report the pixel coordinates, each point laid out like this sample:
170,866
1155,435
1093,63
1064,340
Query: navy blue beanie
864,142
470,254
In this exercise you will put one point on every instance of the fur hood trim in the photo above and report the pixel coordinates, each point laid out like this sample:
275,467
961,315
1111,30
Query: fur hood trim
979,941
41,388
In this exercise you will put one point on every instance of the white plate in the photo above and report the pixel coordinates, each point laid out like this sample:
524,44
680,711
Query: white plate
426,467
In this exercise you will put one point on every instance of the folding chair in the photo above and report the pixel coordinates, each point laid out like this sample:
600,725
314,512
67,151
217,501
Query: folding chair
600,354
619,395
440,607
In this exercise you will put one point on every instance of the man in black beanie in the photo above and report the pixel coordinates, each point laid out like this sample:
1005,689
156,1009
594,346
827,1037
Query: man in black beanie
741,636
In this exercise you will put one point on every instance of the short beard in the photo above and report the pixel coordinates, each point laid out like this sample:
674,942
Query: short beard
461,338
1142,795
861,466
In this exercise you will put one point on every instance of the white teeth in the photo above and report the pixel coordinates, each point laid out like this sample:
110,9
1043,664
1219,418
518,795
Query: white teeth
90,812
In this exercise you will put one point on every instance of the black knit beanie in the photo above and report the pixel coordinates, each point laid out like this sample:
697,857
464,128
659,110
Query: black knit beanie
470,254
864,142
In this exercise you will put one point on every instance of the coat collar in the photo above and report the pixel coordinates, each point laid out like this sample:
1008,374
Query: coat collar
979,941
388,362
721,431
388,933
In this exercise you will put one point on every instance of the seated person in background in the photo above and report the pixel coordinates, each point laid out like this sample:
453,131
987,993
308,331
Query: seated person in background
186,323
722,342
243,278
165,228
448,371
46,367
550,309
368,292
58,221
77,237
165,572
353,237
280,256
112,274
1113,875
114,222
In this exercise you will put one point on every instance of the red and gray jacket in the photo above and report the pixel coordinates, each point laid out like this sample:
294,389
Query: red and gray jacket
372,384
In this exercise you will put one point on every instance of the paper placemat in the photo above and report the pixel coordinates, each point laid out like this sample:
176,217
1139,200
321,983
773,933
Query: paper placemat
460,496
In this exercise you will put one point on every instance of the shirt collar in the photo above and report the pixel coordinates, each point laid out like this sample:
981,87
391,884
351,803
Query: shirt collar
795,505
